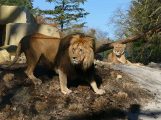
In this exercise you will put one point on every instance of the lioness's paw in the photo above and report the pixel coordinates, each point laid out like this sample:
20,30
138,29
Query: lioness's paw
37,82
66,91
139,64
100,91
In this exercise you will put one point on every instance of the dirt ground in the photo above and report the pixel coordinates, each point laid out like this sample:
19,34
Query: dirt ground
20,100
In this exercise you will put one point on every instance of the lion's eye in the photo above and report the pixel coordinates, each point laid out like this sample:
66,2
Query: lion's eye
73,49
81,50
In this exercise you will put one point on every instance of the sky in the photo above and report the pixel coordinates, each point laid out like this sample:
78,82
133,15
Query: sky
100,11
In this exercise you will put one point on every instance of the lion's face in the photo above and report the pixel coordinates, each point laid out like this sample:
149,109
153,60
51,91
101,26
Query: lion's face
119,49
81,51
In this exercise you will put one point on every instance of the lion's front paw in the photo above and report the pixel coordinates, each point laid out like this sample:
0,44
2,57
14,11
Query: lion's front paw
66,91
100,91
37,82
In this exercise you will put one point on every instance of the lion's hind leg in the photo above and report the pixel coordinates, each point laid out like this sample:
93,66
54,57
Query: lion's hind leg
31,64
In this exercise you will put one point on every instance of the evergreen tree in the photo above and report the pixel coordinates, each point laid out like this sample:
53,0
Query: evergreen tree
66,12
144,15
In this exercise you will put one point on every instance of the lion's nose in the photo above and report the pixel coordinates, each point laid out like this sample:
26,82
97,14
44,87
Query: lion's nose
74,58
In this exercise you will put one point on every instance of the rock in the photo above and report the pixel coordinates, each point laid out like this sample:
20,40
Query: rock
4,56
8,79
154,65
121,95
21,59
119,77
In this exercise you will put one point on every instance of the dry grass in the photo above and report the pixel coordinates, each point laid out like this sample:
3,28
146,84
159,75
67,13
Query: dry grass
46,102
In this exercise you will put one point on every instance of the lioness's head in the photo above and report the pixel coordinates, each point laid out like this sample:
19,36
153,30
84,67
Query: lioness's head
119,49
81,51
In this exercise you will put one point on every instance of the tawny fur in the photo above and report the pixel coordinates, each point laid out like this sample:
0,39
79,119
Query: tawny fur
71,57
37,46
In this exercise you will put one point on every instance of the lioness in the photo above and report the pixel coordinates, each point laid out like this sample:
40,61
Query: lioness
118,54
71,57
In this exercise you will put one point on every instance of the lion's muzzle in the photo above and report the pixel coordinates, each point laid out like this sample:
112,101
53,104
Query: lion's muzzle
75,61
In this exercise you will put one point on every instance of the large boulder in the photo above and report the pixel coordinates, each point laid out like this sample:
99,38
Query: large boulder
4,56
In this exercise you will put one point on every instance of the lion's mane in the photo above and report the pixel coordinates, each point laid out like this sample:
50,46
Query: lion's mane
72,43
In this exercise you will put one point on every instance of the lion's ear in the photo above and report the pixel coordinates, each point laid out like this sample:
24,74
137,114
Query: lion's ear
75,38
114,45
91,41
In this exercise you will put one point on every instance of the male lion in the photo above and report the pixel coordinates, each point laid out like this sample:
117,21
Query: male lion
71,57
118,54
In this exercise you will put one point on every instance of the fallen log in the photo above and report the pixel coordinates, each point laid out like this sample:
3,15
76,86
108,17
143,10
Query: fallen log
109,45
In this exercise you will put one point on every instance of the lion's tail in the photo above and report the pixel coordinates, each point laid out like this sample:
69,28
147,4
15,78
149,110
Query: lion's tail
18,53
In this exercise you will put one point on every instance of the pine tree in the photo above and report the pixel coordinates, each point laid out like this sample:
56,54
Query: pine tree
66,12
